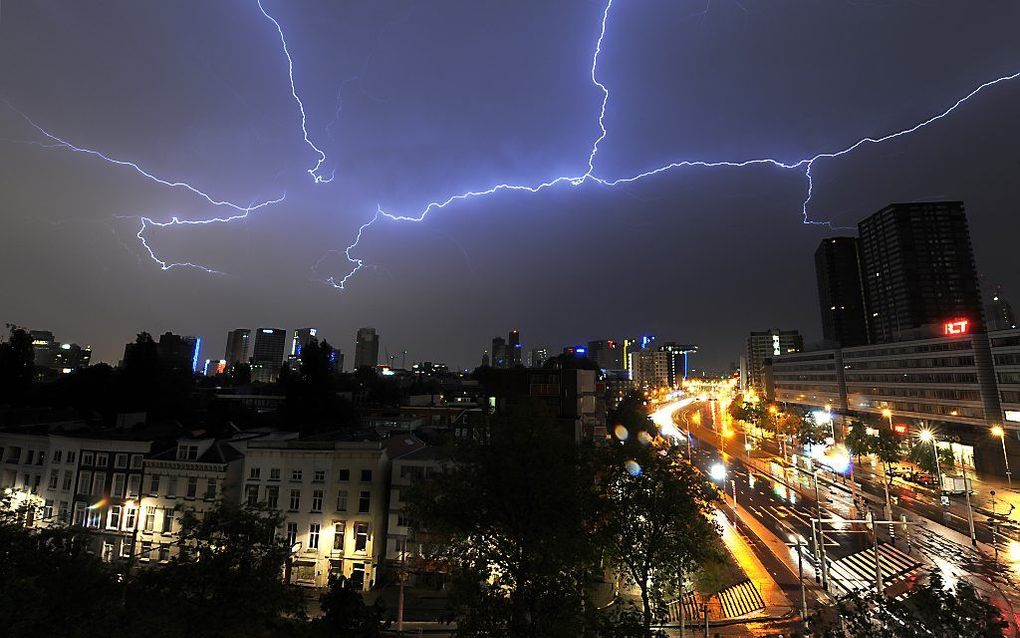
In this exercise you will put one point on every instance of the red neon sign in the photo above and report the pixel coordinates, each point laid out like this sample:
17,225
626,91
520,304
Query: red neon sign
956,327
900,428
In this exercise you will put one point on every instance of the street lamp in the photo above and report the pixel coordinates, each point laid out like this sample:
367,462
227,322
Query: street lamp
927,437
999,432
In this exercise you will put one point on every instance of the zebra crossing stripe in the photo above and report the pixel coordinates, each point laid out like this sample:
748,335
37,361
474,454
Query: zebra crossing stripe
856,572
741,599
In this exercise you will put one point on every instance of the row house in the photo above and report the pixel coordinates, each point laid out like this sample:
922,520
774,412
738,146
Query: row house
107,491
332,494
404,551
191,477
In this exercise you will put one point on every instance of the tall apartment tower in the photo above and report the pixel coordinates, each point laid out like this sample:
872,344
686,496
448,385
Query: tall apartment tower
918,269
513,350
366,348
238,345
840,293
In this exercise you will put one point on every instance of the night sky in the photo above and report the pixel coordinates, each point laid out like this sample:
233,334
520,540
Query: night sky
417,101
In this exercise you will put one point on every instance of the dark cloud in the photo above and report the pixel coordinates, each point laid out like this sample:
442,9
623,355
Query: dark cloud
413,102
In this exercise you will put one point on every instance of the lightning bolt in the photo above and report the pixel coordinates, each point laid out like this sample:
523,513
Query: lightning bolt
804,165
301,106
341,284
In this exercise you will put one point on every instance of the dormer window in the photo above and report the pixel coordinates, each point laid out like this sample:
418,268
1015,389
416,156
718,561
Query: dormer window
187,452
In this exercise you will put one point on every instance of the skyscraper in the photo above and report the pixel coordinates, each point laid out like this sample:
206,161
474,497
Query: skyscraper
366,348
302,337
538,357
238,344
677,361
918,269
840,293
499,352
998,313
270,345
513,350
606,353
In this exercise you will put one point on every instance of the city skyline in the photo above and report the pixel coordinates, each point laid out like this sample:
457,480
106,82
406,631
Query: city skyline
93,221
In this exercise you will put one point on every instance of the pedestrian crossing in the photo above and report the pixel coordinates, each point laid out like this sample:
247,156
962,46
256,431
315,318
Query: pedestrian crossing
856,572
733,602
741,599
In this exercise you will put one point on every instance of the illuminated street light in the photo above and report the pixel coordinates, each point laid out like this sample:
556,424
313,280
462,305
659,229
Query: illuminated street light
999,432
717,472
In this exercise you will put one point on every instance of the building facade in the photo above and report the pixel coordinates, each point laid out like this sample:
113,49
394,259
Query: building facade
333,498
918,269
840,292
761,348
238,348
366,348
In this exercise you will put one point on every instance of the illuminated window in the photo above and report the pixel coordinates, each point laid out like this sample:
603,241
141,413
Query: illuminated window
113,519
338,537
360,536
291,534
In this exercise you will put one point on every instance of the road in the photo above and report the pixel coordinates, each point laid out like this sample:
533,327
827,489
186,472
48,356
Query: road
783,500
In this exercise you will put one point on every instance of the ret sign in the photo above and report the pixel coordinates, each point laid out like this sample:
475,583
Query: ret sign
956,327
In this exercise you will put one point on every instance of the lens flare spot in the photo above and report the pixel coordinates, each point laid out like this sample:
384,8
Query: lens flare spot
621,432
633,468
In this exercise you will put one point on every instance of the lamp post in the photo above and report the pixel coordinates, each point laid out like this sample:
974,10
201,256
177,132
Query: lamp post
926,436
821,533
798,542
999,432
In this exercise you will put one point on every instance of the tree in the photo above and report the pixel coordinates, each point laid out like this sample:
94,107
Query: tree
655,524
858,441
51,586
932,610
923,455
346,614
810,432
225,581
16,365
510,518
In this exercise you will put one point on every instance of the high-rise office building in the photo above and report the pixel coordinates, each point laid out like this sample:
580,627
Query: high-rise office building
499,357
677,361
840,293
606,353
485,358
44,349
238,346
302,337
918,269
513,350
178,353
762,347
269,347
366,348
998,312
538,357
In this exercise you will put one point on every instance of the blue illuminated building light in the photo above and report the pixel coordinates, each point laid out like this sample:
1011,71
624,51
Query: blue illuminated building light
194,356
